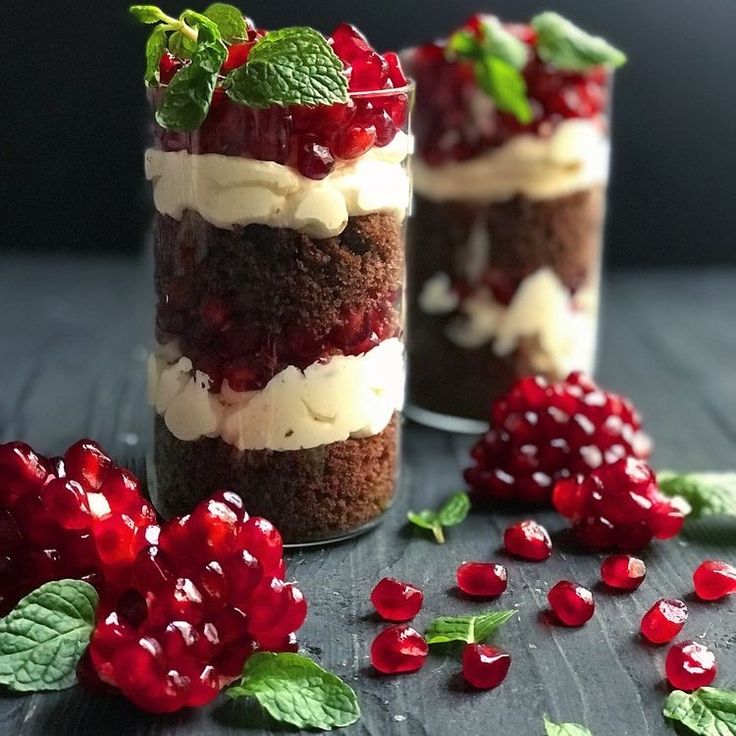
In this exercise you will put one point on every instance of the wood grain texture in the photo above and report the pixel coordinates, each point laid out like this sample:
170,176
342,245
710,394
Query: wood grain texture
73,337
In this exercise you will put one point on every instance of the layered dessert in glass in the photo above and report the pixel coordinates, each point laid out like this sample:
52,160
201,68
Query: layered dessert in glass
504,248
279,257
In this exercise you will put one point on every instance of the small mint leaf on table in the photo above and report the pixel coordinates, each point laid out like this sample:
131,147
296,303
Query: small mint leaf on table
294,689
708,494
708,711
564,45
564,729
44,636
155,47
467,629
451,513
229,20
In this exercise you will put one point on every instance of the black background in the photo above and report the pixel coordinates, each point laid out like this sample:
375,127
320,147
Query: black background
74,116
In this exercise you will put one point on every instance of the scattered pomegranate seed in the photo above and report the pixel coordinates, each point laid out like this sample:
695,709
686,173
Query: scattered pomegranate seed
572,604
664,621
482,579
399,649
623,572
690,665
528,540
714,579
485,666
395,600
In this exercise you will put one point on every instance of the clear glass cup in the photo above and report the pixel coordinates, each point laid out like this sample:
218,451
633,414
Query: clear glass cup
504,246
279,366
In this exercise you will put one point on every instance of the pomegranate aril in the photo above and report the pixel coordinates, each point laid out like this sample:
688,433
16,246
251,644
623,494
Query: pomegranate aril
275,608
395,600
216,525
690,666
355,141
528,540
262,539
485,666
482,579
168,66
86,462
369,71
243,572
664,621
348,42
204,687
623,572
572,604
714,579
399,649
21,470
115,539
66,501
237,55
395,72
152,569
314,159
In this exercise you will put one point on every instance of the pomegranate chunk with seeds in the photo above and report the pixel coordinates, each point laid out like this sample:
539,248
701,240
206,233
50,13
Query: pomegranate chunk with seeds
664,621
482,579
399,649
623,572
395,600
714,580
572,604
528,540
485,666
690,665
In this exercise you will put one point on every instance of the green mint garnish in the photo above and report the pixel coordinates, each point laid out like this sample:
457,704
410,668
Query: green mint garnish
468,629
294,689
498,58
451,513
155,47
564,729
229,20
293,66
149,14
44,636
708,494
706,712
564,45
181,45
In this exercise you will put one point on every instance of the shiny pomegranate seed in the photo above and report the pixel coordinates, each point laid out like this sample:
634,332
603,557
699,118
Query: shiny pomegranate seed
262,539
87,463
243,572
115,539
348,42
152,569
237,55
384,127
528,540
664,621
482,579
67,503
399,649
168,66
275,608
572,604
314,159
395,72
355,141
369,71
485,666
21,469
395,600
714,579
690,665
623,572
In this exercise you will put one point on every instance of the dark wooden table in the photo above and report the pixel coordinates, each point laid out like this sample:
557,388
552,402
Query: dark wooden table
73,337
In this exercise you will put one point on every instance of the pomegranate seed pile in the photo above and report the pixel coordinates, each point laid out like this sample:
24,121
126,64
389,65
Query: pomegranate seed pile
541,432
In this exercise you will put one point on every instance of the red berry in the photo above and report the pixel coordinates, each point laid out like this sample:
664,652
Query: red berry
395,600
664,621
572,604
714,579
399,649
482,579
485,666
528,540
623,572
690,665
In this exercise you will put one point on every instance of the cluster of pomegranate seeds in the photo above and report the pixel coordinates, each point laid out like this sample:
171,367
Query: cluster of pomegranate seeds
399,649
201,600
714,580
485,666
543,431
528,540
395,600
623,572
664,621
482,579
76,516
572,604
618,506
690,665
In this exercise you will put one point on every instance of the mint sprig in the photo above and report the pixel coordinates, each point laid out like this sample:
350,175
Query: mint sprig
468,629
229,20
44,636
451,513
708,494
155,47
562,44
292,66
564,729
294,689
708,711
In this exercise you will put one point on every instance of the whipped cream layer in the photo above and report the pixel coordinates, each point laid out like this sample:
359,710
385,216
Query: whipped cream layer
345,396
228,191
576,156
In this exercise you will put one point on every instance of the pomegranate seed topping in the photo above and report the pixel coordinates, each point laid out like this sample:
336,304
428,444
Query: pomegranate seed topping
714,579
395,600
690,665
482,579
572,604
664,621
67,503
168,66
485,666
623,572
237,55
87,462
528,540
399,649
348,42
355,141
395,72
314,159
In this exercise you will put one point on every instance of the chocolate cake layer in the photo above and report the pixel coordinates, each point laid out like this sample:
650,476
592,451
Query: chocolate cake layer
523,235
310,495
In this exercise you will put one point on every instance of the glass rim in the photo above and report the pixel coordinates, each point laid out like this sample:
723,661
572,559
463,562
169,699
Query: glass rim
406,89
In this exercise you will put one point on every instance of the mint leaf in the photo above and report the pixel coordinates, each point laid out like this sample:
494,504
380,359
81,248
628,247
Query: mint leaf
563,44
147,13
706,712
229,20
564,729
506,85
468,629
293,66
155,47
708,494
181,45
44,636
294,689
451,513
